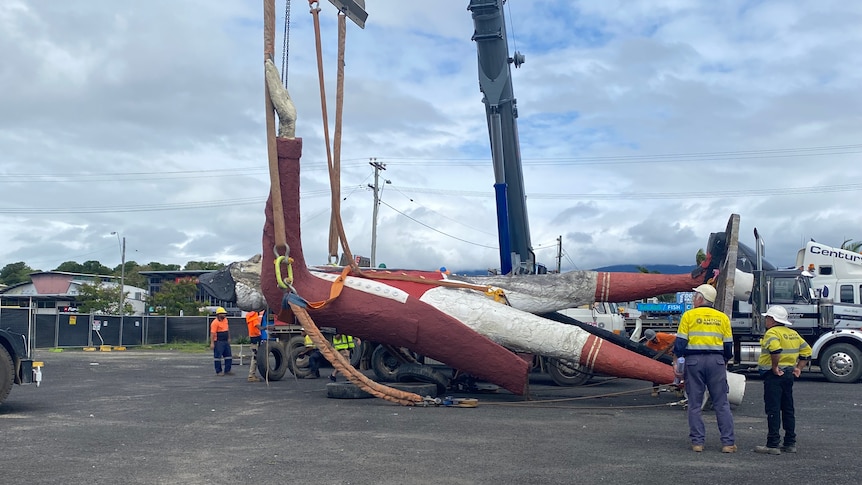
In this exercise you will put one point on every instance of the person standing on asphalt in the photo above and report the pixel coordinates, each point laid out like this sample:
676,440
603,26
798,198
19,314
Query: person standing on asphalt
253,320
705,340
783,354
342,344
220,343
314,358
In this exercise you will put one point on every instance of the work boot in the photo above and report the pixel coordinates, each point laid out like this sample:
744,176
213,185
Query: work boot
728,449
697,448
767,450
788,449
219,374
253,379
332,378
229,373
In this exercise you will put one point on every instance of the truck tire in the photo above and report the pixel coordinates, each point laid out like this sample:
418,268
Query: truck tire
298,362
422,373
356,354
566,373
271,362
294,350
7,374
841,363
384,364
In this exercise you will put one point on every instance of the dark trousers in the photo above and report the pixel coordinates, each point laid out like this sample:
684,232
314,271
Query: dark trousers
221,349
778,398
314,359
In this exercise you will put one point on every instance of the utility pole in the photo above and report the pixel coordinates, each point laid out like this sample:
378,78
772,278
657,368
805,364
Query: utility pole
559,253
377,168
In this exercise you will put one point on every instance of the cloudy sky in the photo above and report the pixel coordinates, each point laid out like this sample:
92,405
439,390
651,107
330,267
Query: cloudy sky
643,126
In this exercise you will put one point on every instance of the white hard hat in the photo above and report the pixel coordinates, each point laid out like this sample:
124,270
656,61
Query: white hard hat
779,314
708,292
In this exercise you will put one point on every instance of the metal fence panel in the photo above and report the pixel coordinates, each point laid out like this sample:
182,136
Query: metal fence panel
14,319
46,331
72,330
76,330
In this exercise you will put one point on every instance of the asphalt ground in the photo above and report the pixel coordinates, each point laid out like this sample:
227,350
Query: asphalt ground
154,417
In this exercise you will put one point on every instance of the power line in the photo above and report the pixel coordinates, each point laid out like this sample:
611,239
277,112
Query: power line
42,177
437,230
748,193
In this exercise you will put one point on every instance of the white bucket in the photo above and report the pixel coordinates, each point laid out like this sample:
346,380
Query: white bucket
736,384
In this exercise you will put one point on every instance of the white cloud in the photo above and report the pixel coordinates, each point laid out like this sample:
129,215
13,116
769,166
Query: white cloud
643,126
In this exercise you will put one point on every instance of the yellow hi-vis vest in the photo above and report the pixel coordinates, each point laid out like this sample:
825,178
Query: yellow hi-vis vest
342,342
785,341
706,330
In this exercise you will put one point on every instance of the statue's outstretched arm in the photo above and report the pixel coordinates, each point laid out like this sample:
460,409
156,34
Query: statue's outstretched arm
281,102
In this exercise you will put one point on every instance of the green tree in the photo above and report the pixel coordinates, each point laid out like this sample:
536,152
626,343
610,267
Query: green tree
70,267
666,298
95,267
98,298
14,273
154,266
174,297
849,245
133,276
203,265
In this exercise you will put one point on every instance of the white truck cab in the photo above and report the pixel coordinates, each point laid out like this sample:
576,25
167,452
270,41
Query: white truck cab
601,314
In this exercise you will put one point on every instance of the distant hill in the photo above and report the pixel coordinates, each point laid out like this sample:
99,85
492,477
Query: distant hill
661,268
617,268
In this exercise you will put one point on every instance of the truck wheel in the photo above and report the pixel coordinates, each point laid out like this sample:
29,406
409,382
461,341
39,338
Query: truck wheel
841,363
566,373
7,374
384,364
356,354
271,362
422,373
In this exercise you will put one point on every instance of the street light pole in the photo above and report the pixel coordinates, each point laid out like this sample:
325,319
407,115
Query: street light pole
122,281
123,278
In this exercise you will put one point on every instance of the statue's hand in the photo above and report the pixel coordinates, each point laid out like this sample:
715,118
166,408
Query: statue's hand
281,102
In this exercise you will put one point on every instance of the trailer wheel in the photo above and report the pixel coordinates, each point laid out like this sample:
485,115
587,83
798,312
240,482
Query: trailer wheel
841,363
384,364
7,373
567,373
271,361
422,373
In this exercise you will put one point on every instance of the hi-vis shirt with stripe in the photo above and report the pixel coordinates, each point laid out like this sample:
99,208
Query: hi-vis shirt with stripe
706,330
783,340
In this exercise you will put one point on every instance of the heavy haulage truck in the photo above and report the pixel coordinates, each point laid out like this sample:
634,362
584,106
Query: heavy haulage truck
822,295
15,365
